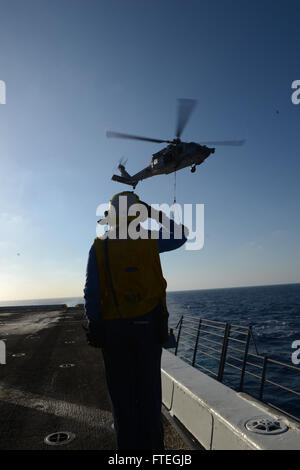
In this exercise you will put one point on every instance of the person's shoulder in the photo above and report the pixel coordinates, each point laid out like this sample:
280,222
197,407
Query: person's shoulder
100,239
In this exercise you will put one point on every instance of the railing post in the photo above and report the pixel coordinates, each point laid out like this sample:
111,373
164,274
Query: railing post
223,353
178,336
253,340
263,376
196,343
245,359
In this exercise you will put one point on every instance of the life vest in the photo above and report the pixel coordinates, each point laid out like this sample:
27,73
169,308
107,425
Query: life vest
133,284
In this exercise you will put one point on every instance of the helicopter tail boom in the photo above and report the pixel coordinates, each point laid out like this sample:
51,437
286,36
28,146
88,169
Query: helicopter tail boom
122,179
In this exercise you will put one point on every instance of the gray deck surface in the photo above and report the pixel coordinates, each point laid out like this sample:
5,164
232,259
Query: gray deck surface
38,397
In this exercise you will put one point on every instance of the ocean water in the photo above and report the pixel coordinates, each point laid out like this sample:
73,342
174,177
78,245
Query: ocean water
273,312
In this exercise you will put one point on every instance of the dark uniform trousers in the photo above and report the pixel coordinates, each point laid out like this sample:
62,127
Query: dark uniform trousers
132,358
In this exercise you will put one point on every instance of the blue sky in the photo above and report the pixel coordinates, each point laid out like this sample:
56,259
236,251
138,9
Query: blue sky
76,68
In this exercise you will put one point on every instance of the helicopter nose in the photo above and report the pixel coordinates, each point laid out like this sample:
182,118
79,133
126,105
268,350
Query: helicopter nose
209,151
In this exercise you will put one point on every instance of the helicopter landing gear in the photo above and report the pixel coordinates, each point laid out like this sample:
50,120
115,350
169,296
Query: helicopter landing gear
193,168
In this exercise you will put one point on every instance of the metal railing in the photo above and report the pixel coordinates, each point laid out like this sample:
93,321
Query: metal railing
228,352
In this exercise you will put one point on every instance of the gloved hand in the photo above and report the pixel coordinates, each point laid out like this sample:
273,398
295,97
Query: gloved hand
171,341
95,334
161,320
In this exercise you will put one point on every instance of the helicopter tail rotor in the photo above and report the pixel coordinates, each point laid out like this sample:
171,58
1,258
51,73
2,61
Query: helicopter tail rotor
121,168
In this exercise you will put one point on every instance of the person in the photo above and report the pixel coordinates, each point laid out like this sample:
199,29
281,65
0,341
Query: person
125,304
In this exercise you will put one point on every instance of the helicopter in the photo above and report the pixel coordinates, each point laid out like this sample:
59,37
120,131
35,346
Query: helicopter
176,155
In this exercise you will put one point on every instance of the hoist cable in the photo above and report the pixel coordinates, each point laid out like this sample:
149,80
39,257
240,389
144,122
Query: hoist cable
174,202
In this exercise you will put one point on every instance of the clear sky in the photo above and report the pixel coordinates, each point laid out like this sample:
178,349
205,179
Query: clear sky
76,68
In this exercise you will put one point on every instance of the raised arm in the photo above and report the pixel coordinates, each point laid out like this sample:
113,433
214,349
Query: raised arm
171,235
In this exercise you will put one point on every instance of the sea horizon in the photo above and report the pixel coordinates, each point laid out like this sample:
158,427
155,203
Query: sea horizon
62,300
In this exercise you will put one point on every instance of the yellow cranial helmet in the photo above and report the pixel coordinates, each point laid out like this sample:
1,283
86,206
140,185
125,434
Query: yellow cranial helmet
119,206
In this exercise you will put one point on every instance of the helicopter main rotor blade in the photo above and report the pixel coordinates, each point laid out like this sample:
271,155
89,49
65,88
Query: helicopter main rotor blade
120,135
225,142
185,109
